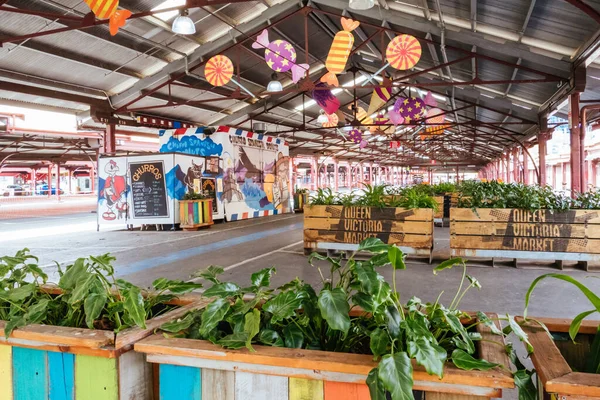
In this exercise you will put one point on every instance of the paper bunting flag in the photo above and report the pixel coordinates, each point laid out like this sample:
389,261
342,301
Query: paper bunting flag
380,97
280,56
104,9
325,99
355,135
340,51
218,70
332,121
403,52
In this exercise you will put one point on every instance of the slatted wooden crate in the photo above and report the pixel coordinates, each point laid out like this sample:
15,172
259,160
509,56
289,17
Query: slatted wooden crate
512,233
196,369
60,363
439,214
300,200
343,228
554,361
194,214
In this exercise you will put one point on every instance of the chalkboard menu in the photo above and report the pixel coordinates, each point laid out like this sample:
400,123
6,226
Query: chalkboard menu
148,190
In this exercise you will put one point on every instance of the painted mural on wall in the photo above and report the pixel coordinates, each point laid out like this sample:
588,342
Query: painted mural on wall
251,170
112,191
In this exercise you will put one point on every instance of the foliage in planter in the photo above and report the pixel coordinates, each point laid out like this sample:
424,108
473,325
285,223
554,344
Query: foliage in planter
375,196
191,195
296,316
592,364
301,191
90,296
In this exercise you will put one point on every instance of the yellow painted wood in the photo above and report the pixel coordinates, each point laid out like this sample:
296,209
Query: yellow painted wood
305,389
6,385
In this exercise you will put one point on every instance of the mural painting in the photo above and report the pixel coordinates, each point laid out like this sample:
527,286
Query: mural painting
112,194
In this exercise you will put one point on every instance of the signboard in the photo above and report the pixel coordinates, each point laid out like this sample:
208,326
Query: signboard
148,190
395,144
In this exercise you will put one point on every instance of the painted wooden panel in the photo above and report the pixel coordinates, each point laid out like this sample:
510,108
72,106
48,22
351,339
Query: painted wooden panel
364,225
30,374
555,245
61,375
218,384
400,239
346,391
96,378
305,389
180,383
523,216
258,386
447,396
357,212
135,377
6,383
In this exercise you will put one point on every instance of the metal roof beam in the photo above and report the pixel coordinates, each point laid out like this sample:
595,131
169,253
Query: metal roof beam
53,94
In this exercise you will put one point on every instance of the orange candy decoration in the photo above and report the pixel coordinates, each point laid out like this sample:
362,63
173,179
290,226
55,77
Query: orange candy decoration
218,70
403,52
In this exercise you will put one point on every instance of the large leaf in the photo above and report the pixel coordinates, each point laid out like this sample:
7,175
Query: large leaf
227,289
525,384
178,325
429,355
376,388
394,320
379,342
134,306
396,257
14,323
592,364
465,361
262,278
284,305
456,327
576,323
82,288
485,320
517,330
379,260
395,372
234,341
334,309
93,306
210,274
251,326
175,286
37,312
215,312
270,338
293,337
448,264
367,277
373,245
21,293
73,274
364,301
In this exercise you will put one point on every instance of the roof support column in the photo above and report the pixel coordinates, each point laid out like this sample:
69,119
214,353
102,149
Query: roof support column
575,145
543,138
49,180
110,144
57,181
313,174
515,171
336,175
525,169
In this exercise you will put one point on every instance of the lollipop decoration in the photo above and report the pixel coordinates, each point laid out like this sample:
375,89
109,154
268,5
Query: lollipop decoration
325,99
104,9
219,72
340,51
403,52
332,121
280,56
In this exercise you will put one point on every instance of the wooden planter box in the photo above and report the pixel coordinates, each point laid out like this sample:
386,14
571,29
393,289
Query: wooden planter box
194,214
343,228
439,214
553,360
300,200
511,233
52,362
194,369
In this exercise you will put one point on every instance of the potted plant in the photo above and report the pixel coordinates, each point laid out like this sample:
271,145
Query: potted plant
566,353
341,222
300,199
195,211
353,339
519,221
74,340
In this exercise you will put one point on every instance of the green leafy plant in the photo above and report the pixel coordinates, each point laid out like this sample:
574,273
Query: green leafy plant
323,197
88,295
191,195
356,311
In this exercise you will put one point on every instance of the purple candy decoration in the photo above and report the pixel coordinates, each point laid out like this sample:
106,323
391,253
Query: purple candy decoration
363,144
410,109
356,136
280,56
325,99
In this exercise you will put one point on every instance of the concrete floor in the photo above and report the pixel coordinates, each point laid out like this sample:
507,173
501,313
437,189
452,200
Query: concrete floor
245,247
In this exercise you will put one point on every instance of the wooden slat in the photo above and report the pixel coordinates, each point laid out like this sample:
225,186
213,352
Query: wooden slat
59,335
546,357
178,382
6,373
30,374
134,334
356,364
354,225
135,376
588,327
356,212
305,389
218,385
61,376
537,229
576,384
589,246
258,386
446,396
399,239
346,391
494,354
96,378
508,214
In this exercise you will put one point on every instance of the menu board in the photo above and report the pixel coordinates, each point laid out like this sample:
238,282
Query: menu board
149,193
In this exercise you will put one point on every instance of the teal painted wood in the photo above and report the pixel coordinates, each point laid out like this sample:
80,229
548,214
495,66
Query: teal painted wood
180,383
61,375
30,374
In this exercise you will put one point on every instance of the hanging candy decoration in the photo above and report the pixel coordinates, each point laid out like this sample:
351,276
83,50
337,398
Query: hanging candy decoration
363,144
219,70
332,121
363,117
430,100
355,135
104,9
381,95
403,52
325,99
410,109
340,51
280,56
435,116
387,128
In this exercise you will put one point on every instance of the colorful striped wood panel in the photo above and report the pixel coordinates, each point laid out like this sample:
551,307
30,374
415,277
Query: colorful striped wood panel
32,374
193,213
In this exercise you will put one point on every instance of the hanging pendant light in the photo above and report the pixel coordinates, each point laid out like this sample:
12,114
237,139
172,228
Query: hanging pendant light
274,85
183,24
361,4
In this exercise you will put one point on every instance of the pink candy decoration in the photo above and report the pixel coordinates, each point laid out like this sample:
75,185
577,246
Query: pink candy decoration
280,56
